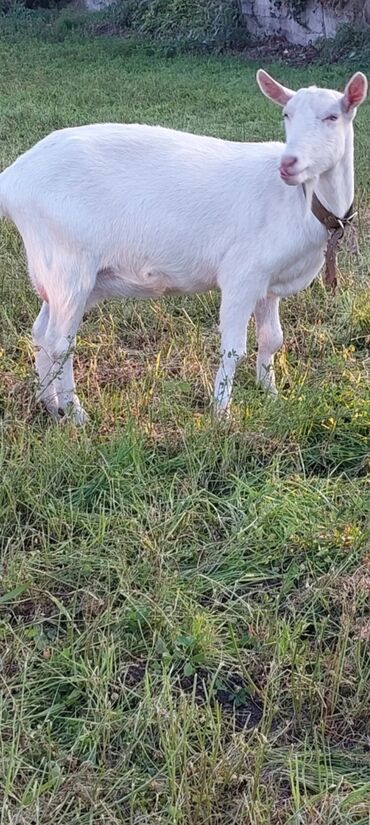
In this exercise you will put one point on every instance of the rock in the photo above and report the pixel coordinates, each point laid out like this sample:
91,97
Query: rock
97,5
316,20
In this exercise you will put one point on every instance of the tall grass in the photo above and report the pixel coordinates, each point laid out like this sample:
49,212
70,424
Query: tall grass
184,608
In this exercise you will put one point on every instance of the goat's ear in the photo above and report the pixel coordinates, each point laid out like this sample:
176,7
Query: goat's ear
355,92
272,89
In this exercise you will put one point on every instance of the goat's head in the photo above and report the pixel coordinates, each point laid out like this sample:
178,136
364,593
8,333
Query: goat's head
318,123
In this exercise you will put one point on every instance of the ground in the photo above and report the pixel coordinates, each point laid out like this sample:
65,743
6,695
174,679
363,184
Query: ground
184,608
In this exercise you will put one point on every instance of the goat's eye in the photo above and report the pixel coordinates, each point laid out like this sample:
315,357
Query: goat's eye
332,118
285,116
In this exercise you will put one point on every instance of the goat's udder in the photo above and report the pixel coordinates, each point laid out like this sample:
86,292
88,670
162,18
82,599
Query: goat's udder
41,293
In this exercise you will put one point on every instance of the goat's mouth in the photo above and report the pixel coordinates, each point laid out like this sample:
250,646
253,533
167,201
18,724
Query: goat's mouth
293,178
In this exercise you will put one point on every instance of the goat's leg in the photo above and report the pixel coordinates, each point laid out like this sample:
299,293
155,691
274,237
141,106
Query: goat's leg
68,296
68,399
60,343
234,316
46,391
269,338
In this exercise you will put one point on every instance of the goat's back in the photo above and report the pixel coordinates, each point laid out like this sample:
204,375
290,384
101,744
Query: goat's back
113,169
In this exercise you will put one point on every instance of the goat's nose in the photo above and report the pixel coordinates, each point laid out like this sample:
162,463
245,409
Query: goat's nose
288,160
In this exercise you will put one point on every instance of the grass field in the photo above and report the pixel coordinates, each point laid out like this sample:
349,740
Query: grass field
184,608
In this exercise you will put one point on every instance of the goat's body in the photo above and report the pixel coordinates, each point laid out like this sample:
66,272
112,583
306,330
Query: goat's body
156,211
111,211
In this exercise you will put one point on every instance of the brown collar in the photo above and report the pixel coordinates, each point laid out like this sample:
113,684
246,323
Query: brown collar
336,228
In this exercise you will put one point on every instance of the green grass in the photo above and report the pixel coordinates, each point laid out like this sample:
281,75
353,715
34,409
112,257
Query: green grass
184,608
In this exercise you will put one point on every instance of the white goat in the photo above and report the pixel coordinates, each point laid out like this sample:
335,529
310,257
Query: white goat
109,211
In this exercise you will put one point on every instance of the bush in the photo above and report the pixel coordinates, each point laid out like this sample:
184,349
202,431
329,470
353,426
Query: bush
211,23
45,4
350,45
8,6
181,23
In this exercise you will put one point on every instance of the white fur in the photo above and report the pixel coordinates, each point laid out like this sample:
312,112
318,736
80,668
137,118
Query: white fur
110,211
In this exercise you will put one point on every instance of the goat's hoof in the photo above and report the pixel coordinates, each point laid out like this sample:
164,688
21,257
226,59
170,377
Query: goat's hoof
79,417
52,410
269,389
221,413
74,415
82,417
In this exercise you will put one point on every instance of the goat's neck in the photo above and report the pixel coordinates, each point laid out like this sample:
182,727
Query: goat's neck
335,188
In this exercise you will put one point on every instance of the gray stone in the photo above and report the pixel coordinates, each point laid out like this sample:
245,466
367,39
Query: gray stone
264,17
96,5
